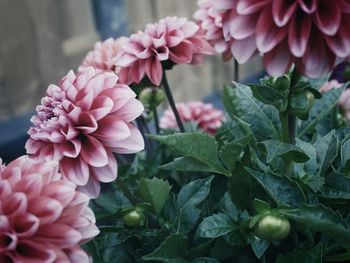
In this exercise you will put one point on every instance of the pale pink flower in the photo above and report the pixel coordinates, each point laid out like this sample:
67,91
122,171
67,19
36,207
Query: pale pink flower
168,42
311,34
332,84
207,118
81,122
104,55
43,218
209,20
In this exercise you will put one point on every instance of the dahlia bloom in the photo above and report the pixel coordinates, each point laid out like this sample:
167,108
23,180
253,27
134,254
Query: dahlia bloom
344,100
104,55
311,34
43,218
168,42
207,118
209,20
81,122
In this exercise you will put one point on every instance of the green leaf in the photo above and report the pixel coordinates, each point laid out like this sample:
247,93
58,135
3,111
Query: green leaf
282,190
268,95
228,207
337,186
321,219
259,246
200,146
291,152
154,191
173,248
231,153
320,110
308,172
261,206
345,157
297,256
326,149
188,200
188,164
239,102
215,226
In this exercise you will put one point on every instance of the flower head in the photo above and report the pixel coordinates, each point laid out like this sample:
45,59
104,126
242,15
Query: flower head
104,55
311,34
209,20
43,218
207,118
168,42
81,122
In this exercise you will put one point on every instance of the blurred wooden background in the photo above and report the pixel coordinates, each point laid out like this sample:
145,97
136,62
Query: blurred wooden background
40,40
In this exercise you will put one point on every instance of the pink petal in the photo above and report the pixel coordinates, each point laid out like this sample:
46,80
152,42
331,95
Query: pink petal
154,70
48,210
245,7
137,71
134,143
84,99
60,191
328,17
77,255
130,111
111,128
268,35
58,234
120,95
244,49
126,60
299,33
92,188
93,152
308,6
318,59
76,170
278,61
86,123
31,185
242,26
70,148
182,53
15,203
25,225
340,42
107,173
282,11
101,106
32,252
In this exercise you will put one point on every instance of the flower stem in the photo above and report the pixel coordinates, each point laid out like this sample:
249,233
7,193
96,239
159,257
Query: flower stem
172,102
292,120
236,71
156,120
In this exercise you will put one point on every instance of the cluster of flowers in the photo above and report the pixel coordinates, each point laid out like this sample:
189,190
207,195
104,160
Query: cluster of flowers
79,126
88,117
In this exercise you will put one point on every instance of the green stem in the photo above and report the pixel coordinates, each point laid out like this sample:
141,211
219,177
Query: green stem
172,102
292,120
156,120
284,118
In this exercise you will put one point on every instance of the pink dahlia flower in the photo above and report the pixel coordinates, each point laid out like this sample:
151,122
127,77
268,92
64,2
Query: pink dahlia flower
43,218
81,122
104,55
171,41
209,20
311,34
207,118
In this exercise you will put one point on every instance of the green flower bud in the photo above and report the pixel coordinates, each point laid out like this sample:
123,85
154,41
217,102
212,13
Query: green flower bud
272,227
134,218
151,98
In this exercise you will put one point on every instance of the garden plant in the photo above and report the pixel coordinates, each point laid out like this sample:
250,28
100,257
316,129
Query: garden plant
111,178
